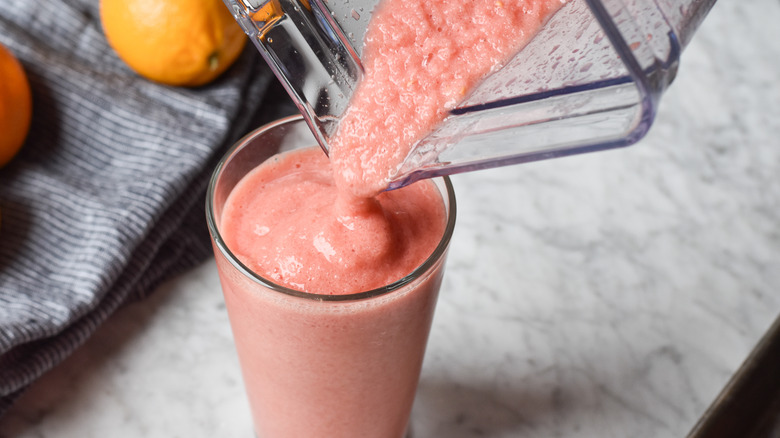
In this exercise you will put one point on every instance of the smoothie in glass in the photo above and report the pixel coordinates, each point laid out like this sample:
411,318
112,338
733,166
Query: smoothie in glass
343,361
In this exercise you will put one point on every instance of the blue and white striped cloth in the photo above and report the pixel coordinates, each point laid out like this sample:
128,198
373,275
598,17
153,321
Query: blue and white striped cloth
106,198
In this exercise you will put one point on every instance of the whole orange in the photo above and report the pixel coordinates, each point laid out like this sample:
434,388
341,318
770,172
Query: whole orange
174,42
15,106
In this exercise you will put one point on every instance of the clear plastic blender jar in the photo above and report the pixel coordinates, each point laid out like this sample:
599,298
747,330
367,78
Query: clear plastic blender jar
590,80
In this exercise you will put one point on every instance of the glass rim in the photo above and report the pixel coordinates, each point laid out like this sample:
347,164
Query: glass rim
219,243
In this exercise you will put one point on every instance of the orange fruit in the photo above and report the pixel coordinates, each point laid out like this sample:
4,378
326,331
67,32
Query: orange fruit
174,42
15,106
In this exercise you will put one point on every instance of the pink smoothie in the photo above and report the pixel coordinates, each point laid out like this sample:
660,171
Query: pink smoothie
316,367
329,369
420,60
286,221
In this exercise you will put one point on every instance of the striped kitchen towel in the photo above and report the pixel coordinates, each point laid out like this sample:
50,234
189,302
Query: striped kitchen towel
106,198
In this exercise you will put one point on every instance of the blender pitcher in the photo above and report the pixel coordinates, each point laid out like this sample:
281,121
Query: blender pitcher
590,80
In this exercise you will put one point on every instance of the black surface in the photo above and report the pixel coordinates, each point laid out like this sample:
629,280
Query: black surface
749,405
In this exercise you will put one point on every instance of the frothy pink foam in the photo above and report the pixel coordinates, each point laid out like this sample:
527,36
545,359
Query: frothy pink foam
286,221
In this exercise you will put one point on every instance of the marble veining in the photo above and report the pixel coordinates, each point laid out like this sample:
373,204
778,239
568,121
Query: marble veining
602,295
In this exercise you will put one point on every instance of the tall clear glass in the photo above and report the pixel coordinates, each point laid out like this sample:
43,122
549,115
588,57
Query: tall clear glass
323,365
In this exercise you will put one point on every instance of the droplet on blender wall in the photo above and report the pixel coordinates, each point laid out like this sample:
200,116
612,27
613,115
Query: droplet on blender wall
355,15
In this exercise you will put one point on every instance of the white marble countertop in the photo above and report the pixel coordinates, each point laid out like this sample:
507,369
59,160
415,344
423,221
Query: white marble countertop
602,295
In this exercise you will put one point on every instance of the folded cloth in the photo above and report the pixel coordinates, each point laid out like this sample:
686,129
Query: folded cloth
105,200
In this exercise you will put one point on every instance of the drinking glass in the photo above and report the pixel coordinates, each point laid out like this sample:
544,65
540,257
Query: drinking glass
323,365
